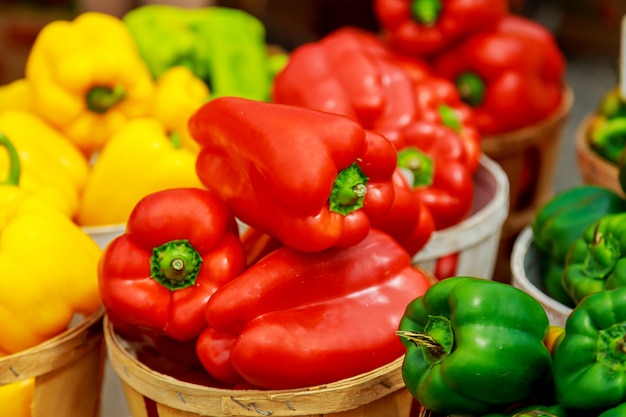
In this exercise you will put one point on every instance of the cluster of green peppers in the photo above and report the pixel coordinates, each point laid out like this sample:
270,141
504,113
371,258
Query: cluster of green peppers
607,130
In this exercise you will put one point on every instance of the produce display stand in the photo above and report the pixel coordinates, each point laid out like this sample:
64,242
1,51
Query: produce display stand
476,238
529,156
593,168
380,392
67,370
525,270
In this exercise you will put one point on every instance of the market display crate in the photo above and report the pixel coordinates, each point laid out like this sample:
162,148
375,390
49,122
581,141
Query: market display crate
525,276
67,370
593,168
529,156
380,392
475,239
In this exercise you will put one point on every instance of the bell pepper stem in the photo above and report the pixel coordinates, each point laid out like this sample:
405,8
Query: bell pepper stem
425,340
450,118
418,167
471,88
175,264
100,98
603,254
426,12
13,176
349,190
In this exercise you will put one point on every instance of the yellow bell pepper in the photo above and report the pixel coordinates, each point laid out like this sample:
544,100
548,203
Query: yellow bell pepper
16,96
16,399
138,160
48,267
87,78
179,93
48,159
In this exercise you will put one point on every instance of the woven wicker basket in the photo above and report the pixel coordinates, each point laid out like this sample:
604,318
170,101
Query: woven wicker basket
67,371
379,393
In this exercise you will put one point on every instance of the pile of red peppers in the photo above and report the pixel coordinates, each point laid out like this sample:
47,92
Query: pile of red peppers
368,146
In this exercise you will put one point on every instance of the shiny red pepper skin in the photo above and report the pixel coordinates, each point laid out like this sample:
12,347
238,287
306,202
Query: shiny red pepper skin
512,76
447,191
278,168
130,285
327,315
422,28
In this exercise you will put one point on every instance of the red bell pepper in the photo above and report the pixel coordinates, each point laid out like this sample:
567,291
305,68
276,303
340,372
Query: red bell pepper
409,221
180,245
311,179
433,157
512,76
298,319
424,27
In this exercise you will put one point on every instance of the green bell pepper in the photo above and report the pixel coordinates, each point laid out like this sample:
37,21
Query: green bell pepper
618,411
562,220
589,363
597,260
224,47
473,344
534,411
607,131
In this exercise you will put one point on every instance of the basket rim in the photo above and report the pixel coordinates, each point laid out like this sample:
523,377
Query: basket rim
54,353
470,232
345,394
535,131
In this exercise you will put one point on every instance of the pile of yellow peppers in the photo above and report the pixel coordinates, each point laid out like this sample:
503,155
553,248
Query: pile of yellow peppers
84,135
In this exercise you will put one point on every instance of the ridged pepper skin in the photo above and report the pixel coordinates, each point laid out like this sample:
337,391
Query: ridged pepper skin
590,362
596,261
512,75
139,159
311,179
47,266
537,410
180,245
425,27
473,344
87,78
433,159
48,160
298,319
168,36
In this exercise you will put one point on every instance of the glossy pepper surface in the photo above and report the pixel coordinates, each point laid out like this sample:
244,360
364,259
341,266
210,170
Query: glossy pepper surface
180,245
433,159
87,78
313,183
589,362
512,75
48,160
424,27
596,261
467,352
39,302
556,410
139,159
561,221
326,315
168,36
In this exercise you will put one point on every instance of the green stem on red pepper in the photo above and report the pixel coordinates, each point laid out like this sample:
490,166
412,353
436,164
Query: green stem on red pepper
418,164
450,118
426,12
348,191
101,98
471,88
175,264
13,176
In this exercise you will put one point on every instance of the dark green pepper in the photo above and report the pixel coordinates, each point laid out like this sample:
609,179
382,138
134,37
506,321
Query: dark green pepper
472,344
618,411
562,220
607,130
597,260
224,47
589,367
